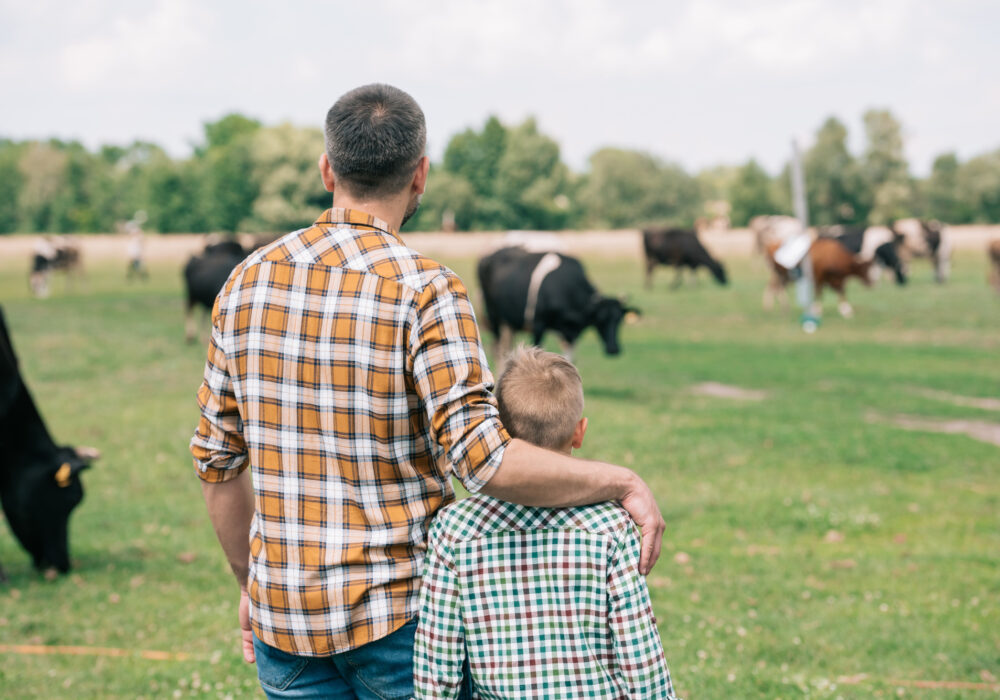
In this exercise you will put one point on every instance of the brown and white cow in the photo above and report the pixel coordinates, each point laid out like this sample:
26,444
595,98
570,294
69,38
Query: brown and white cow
832,263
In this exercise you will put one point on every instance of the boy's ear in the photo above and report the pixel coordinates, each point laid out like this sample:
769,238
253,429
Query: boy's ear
579,432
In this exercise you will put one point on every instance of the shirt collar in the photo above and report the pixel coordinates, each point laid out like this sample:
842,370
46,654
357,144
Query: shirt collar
355,218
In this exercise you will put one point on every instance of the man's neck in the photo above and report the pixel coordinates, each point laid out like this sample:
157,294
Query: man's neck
388,210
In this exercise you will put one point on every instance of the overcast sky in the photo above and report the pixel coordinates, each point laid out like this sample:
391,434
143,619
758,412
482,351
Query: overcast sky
698,82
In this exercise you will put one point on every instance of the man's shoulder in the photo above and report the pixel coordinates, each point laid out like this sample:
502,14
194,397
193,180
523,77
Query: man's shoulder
481,515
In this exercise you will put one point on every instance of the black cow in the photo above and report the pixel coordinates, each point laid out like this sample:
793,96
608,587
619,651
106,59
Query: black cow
204,276
538,292
871,243
39,480
678,247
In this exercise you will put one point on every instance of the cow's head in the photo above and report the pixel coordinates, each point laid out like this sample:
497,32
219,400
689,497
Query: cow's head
46,496
606,317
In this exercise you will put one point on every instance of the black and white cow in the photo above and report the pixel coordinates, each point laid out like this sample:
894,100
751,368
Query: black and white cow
680,248
538,292
877,244
925,239
39,480
204,276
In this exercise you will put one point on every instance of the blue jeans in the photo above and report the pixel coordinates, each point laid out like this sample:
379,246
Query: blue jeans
379,670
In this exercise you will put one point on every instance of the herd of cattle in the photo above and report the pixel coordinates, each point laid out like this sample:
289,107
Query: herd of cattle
523,290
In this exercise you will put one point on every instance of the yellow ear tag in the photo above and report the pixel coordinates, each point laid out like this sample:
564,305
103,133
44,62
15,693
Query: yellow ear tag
62,476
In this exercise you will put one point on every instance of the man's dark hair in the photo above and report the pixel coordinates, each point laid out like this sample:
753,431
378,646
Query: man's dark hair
375,136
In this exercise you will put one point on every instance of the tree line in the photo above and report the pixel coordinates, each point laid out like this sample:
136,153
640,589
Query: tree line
246,176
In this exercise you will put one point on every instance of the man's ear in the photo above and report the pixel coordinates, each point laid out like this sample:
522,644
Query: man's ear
420,176
578,432
326,172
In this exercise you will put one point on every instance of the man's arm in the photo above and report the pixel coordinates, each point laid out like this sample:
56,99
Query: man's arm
533,476
451,376
220,457
230,508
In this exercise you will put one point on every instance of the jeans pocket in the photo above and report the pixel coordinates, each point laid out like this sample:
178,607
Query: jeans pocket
277,669
385,666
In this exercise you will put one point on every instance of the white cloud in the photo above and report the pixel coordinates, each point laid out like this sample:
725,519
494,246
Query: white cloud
164,41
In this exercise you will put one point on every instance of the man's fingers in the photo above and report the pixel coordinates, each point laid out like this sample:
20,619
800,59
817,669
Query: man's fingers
652,541
248,653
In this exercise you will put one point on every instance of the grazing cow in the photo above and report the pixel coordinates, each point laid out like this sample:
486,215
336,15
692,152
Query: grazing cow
50,255
876,243
925,239
204,275
537,292
39,480
680,248
832,263
994,254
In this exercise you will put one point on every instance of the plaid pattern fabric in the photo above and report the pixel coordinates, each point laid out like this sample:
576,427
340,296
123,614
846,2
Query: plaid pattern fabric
546,603
347,372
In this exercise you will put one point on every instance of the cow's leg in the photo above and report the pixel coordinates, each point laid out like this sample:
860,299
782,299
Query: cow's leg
816,309
942,268
843,306
567,348
190,325
677,277
503,347
650,264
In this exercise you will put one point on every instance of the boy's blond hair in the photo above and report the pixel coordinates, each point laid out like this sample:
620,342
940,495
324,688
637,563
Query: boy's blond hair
541,397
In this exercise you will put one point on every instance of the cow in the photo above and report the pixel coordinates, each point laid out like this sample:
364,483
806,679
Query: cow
39,480
680,248
52,254
537,292
832,263
994,255
876,243
924,239
204,276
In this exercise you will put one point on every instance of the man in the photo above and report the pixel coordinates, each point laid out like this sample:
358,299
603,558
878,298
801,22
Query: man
348,371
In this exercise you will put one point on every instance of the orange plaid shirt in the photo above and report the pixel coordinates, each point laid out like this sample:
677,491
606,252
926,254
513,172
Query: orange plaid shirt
346,370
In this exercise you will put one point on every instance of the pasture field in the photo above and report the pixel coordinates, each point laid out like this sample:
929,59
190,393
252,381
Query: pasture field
814,548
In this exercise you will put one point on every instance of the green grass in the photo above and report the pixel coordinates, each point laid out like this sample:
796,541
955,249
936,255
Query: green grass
752,597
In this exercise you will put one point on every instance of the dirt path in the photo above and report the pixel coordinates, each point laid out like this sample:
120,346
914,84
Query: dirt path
626,243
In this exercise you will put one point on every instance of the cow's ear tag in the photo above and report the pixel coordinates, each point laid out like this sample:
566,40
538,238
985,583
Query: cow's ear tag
63,475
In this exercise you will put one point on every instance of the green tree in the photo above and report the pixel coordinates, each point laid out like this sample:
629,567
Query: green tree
446,192
11,179
834,188
476,155
631,188
750,194
230,178
532,181
284,164
979,181
942,196
886,172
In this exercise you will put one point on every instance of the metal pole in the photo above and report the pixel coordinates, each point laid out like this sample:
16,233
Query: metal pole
804,285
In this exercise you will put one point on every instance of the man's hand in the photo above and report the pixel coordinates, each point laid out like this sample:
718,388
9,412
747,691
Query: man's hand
641,505
245,630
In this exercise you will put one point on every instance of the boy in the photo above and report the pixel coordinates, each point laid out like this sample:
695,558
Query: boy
537,602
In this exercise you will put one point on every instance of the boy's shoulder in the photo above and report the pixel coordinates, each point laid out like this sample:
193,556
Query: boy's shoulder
481,515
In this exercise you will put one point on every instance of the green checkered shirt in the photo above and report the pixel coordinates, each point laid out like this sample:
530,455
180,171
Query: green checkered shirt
546,603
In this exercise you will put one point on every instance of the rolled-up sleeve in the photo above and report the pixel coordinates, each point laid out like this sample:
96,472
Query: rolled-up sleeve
218,447
454,383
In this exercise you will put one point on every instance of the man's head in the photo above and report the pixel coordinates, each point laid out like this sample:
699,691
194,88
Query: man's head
375,139
541,399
